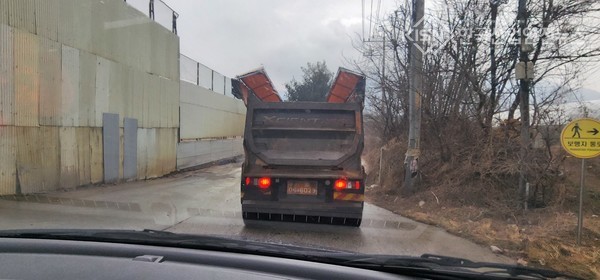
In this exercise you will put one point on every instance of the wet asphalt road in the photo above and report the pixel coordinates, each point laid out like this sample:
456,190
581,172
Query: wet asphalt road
207,202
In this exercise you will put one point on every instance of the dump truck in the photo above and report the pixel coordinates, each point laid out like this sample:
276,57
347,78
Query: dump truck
303,159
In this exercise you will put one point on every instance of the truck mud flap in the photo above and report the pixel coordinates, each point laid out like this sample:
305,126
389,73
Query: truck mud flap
256,216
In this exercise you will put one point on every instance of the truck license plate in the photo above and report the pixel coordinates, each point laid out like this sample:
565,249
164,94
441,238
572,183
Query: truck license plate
302,187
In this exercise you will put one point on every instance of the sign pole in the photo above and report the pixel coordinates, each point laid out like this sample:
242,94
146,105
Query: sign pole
580,218
581,139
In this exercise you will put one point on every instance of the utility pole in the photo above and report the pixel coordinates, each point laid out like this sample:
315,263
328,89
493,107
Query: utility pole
415,82
524,50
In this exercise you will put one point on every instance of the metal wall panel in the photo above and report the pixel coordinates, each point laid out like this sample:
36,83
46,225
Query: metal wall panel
50,59
46,18
70,86
26,78
82,25
111,147
165,109
84,155
138,95
127,92
153,97
21,14
29,160
96,155
8,157
98,29
69,174
50,157
87,89
66,22
116,90
130,134
4,12
153,168
102,89
7,89
142,155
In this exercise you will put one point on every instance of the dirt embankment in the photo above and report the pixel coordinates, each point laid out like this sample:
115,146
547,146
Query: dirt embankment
542,236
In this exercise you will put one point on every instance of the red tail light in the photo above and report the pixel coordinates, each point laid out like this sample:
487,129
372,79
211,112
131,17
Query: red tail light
264,182
340,184
248,181
357,185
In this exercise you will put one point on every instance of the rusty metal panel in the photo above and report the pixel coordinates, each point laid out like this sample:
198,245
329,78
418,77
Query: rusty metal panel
50,157
7,89
50,82
84,155
8,158
87,89
111,147
70,86
167,144
102,89
21,14
26,78
69,160
29,160
46,19
153,169
96,156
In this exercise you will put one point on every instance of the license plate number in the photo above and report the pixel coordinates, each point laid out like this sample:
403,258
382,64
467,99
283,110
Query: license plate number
302,187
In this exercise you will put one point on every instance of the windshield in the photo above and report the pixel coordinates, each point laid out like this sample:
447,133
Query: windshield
467,129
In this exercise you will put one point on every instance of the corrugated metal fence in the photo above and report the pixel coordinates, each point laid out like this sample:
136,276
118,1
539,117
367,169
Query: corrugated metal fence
63,63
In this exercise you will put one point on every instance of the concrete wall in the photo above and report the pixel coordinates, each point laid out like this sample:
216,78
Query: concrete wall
212,125
63,63
207,114
194,153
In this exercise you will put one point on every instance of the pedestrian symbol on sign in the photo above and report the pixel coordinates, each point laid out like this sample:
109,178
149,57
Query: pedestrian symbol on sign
576,130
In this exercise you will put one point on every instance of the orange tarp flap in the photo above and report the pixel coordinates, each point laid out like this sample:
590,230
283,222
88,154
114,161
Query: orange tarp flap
261,85
344,87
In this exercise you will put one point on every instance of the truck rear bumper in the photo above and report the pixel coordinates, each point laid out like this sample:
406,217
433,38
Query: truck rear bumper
331,209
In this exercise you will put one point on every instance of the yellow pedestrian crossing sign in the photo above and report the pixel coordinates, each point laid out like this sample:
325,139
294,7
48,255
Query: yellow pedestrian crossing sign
581,138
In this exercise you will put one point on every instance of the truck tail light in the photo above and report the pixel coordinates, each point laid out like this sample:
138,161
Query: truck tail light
264,182
248,181
340,184
357,185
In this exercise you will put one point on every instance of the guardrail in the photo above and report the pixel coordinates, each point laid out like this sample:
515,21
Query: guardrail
158,11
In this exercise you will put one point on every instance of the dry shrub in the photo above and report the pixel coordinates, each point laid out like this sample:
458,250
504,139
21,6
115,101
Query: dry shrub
462,165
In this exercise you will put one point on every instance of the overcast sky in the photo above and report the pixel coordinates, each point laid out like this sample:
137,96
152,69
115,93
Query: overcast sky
235,36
